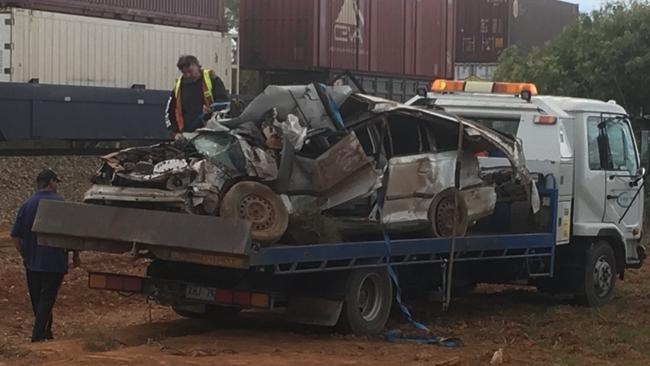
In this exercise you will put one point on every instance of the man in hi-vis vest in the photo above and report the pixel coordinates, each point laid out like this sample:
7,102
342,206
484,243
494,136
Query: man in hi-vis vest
189,105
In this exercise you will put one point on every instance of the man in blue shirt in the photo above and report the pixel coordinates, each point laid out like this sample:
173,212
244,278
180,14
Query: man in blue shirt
45,266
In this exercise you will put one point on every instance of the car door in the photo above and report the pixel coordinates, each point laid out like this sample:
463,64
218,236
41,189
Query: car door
415,171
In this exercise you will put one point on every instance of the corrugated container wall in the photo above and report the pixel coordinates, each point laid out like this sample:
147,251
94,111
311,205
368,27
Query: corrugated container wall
484,28
481,29
386,37
75,50
200,14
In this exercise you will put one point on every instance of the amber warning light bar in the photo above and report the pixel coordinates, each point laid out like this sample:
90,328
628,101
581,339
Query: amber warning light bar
450,86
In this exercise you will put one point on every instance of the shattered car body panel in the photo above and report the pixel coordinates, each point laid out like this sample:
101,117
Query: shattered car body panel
345,155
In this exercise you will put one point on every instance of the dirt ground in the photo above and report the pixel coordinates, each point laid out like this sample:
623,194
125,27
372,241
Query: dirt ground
100,328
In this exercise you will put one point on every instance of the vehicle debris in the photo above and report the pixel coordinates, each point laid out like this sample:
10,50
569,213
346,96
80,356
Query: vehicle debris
362,161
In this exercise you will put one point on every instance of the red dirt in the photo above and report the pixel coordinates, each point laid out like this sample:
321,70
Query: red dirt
532,329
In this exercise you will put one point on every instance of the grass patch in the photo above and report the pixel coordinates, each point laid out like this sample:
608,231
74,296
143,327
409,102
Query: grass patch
567,360
635,337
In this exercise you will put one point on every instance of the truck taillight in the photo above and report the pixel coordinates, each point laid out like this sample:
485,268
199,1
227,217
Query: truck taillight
242,298
545,120
115,282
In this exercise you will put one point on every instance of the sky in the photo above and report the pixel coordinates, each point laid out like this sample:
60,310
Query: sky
587,5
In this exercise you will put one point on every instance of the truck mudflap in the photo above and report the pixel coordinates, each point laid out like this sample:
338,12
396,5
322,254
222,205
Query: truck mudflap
170,236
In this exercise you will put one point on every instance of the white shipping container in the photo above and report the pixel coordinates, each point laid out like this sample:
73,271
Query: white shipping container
475,71
75,50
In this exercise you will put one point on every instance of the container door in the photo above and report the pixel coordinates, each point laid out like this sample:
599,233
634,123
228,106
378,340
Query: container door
5,46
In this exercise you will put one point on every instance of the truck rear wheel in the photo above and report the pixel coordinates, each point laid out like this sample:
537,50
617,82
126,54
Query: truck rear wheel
368,299
600,274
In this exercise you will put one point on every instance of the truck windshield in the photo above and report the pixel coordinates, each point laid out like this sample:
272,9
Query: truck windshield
620,154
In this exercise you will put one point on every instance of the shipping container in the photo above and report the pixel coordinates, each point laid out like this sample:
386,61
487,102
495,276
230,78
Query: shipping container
201,14
75,50
475,71
484,28
404,38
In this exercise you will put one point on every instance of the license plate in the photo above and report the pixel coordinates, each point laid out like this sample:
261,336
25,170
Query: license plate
200,293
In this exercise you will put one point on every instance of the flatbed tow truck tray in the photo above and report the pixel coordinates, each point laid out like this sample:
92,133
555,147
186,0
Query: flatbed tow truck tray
168,235
227,243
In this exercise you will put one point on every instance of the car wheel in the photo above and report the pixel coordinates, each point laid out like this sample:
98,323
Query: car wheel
259,205
368,300
599,275
441,214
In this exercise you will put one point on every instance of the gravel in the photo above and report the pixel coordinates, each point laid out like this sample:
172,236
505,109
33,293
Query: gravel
18,175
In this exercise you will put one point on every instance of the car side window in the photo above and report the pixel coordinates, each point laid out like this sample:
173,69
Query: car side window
369,139
405,135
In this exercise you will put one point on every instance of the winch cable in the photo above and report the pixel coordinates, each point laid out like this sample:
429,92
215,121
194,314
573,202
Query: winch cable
396,335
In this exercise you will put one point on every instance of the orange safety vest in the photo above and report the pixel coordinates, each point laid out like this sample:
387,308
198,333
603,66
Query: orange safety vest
208,98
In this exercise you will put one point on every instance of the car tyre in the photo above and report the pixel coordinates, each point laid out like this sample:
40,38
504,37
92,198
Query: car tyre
259,205
441,214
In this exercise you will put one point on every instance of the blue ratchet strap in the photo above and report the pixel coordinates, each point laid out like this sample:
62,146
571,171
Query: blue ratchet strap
396,335
338,118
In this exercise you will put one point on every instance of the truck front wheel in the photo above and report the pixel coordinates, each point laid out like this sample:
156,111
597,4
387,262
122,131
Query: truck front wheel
368,299
600,274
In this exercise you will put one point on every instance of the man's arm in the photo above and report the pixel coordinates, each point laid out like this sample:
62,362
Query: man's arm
170,115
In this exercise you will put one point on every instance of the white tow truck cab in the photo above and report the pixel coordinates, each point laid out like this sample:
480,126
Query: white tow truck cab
586,149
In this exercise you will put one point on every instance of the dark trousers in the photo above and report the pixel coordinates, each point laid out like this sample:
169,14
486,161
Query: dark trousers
43,289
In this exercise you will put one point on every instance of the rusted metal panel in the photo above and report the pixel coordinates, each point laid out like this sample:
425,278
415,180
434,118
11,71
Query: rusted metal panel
534,22
481,29
377,37
201,14
143,227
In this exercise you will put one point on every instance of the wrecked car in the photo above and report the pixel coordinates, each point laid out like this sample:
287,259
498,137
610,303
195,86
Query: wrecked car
324,153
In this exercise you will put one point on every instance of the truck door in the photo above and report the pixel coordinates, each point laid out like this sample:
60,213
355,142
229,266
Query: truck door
620,160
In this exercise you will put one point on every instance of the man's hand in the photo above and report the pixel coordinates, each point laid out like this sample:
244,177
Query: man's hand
178,137
76,259
207,110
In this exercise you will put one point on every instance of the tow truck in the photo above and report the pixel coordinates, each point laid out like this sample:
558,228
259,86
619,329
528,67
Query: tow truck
588,146
208,267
